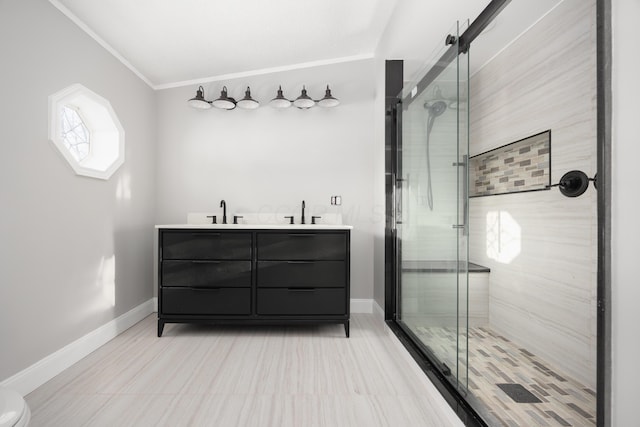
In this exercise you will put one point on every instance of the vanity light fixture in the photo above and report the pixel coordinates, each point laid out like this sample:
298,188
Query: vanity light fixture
280,101
224,102
248,103
198,101
328,100
304,101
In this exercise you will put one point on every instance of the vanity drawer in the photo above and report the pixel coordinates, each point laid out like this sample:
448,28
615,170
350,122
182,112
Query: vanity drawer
308,301
205,245
194,301
302,246
203,273
308,274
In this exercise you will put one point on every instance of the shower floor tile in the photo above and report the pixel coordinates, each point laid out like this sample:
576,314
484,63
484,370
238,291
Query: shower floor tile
495,360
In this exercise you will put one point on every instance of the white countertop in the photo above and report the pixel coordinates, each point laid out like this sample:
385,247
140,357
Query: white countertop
258,226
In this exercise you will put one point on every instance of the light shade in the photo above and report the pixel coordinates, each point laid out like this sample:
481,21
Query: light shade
328,100
304,101
224,102
280,101
248,103
198,101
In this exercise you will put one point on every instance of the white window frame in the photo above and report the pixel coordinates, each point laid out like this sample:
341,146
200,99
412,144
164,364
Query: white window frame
107,143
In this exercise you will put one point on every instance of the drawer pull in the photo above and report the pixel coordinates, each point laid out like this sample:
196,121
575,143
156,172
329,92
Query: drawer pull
301,289
300,262
301,235
195,261
204,289
205,234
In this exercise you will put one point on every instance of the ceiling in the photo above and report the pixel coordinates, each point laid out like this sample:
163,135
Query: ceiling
170,43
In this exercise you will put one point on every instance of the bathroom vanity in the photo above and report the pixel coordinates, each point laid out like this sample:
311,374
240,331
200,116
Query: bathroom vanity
242,274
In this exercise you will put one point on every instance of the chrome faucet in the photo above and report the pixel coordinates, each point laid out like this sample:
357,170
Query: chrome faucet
302,219
223,205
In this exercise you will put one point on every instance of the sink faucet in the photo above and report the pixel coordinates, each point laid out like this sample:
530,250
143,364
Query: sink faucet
302,219
223,205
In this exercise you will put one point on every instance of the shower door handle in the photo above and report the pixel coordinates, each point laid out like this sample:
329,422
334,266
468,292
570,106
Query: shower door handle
400,195
465,194
397,200
393,201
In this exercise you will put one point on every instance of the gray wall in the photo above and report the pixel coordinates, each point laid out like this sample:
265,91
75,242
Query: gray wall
61,232
624,211
269,160
543,284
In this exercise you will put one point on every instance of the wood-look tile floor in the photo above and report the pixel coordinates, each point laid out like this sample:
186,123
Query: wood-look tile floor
245,376
493,360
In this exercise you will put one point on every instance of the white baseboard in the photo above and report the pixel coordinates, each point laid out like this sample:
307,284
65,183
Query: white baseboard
377,310
155,304
27,380
361,305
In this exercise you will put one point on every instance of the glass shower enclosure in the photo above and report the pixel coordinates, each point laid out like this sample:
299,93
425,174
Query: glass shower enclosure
431,211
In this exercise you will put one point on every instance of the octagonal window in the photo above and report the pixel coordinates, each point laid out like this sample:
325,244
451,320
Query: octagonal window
86,131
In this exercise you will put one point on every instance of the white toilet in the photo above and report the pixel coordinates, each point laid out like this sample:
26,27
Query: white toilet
14,411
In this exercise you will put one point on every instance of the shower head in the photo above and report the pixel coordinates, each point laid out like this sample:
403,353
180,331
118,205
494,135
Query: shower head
436,108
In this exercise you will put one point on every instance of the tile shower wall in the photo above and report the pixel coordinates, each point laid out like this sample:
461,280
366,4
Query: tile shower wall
541,246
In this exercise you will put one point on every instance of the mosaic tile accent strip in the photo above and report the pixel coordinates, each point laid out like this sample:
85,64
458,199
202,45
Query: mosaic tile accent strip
523,165
494,360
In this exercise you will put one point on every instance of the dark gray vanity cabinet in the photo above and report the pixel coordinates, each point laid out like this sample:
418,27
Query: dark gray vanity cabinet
253,276
203,274
302,274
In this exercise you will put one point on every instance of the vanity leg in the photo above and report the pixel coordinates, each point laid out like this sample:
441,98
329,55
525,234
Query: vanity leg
160,327
346,328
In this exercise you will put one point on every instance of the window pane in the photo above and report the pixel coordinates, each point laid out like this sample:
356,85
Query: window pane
75,134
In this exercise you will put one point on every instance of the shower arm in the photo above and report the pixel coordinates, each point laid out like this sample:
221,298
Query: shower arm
568,183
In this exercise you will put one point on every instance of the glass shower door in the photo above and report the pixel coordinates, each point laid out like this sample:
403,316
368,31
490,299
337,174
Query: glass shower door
431,216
